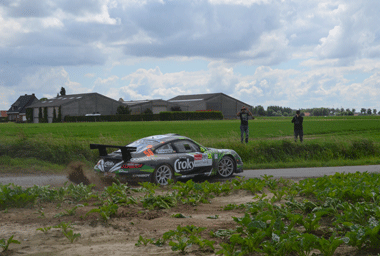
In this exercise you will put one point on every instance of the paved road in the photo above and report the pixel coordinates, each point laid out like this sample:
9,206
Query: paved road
308,172
296,173
31,180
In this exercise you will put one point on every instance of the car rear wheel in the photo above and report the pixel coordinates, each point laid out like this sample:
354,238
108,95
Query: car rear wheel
163,174
226,167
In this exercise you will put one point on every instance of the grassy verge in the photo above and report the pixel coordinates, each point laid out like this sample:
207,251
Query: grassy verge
10,165
328,141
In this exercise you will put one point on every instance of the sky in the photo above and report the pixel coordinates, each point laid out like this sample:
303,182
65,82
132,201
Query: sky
289,53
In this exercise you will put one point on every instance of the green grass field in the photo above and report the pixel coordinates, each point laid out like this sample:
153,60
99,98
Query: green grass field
329,141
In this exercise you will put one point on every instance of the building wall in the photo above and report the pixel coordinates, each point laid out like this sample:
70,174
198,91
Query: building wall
214,104
229,107
89,104
35,115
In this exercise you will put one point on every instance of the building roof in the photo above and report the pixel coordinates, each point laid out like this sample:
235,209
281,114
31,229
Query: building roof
188,99
140,102
194,97
60,100
21,103
3,113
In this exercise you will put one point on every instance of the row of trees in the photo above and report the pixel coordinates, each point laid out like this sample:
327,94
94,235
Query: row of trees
284,111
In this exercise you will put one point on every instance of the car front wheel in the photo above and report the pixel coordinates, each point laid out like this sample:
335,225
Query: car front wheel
163,174
226,167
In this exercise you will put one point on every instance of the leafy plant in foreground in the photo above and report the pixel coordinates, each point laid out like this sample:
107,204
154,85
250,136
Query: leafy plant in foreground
328,247
106,211
69,212
71,235
5,243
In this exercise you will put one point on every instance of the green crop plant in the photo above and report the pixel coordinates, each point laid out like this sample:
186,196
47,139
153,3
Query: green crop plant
364,236
71,235
143,241
12,195
311,222
179,216
152,201
81,192
44,229
106,211
278,194
4,244
69,212
41,212
253,185
329,246
204,244
222,233
64,226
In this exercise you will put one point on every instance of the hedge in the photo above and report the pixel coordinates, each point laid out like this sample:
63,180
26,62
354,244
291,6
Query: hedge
162,116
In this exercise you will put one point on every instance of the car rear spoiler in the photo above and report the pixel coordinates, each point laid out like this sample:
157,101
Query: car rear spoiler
125,151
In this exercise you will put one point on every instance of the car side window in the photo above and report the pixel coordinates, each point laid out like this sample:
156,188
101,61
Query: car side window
185,146
165,149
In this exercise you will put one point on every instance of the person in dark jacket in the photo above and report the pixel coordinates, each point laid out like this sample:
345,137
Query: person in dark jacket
298,129
244,114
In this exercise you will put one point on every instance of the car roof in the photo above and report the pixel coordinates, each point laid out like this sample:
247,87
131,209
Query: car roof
163,138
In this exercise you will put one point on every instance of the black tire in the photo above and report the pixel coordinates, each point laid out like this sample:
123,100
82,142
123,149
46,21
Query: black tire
226,167
162,174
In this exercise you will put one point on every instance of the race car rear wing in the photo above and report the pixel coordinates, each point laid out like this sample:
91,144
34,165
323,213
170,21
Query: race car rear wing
125,151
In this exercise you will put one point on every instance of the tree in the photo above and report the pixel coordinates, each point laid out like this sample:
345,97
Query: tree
374,111
176,108
63,91
270,112
148,111
362,111
369,111
123,110
54,115
43,99
353,110
260,110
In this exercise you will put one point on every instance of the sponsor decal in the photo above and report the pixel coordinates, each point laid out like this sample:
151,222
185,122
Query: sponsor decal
183,164
149,146
109,164
209,156
141,175
198,157
216,156
164,151
131,166
148,152
202,160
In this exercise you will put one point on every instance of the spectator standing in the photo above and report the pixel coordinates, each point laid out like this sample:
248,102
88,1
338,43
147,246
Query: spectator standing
244,115
298,129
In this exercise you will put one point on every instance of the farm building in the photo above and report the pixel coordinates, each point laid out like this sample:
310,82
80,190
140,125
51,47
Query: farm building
75,105
157,106
17,112
213,101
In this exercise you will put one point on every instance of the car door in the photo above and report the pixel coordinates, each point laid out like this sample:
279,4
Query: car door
190,159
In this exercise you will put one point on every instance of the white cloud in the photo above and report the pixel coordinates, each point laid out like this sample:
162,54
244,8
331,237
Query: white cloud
108,80
301,52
